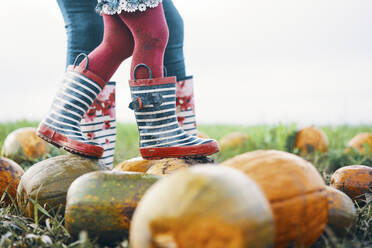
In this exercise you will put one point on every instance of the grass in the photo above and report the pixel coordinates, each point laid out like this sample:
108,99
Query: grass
48,231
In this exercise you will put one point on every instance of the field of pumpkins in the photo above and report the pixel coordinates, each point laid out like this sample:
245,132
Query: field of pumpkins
270,186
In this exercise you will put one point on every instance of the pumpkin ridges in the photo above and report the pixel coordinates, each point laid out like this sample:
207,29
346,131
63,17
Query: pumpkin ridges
353,180
292,185
10,174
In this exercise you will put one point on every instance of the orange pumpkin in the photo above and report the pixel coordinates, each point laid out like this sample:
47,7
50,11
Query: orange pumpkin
170,165
353,180
341,211
359,142
202,135
10,175
310,139
203,207
294,188
233,140
23,145
135,165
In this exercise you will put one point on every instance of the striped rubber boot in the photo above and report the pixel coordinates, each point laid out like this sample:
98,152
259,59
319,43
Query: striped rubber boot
99,124
186,106
61,127
154,104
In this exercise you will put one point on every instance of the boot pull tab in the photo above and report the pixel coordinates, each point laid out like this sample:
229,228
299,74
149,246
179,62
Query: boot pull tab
142,65
154,99
77,58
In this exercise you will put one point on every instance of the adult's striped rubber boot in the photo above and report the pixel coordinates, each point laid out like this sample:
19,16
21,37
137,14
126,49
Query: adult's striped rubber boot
185,105
61,127
99,123
161,136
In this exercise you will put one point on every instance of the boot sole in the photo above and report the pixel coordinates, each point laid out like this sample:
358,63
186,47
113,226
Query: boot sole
180,152
72,146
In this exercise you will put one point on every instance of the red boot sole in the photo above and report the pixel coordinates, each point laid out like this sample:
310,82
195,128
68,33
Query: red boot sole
180,152
68,144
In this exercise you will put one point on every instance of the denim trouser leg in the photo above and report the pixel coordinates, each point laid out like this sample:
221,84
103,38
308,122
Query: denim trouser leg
173,58
84,27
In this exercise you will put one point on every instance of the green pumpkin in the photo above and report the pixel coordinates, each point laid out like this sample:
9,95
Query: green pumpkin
102,203
47,182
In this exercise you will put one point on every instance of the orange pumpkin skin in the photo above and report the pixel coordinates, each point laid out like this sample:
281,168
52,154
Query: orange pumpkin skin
353,180
10,175
233,140
23,145
359,141
135,165
295,190
311,138
341,211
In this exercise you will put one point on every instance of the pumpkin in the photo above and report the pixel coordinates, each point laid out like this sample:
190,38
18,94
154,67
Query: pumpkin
202,135
308,140
341,211
295,190
23,145
135,165
48,181
359,142
10,174
203,207
102,203
170,165
233,140
353,180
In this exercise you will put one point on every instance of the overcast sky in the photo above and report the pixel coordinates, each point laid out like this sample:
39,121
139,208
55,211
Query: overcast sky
265,61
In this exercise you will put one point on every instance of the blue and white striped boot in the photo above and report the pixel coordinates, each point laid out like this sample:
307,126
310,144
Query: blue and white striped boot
61,127
161,136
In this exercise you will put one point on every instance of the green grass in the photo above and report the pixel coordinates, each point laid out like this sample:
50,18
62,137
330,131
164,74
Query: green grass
17,231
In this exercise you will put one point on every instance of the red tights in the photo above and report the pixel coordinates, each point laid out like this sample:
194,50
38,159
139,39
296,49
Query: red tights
143,34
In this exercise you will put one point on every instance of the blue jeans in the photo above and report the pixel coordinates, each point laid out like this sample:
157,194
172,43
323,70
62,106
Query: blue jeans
84,28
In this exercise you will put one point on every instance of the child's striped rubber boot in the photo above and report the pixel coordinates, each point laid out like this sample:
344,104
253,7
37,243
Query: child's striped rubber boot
61,127
154,105
99,123
186,106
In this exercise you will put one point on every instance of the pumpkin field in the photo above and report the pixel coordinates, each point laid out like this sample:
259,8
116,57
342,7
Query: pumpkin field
269,186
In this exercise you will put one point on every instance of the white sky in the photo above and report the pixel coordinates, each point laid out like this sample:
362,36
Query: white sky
264,61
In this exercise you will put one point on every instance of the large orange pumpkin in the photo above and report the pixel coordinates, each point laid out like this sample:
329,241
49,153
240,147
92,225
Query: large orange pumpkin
135,165
353,180
10,174
359,142
233,140
296,191
203,207
23,145
342,213
311,139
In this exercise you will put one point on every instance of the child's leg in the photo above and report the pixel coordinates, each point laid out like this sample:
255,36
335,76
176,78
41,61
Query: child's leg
82,84
150,33
117,45
154,96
